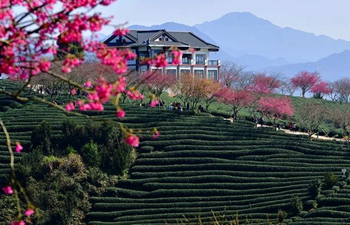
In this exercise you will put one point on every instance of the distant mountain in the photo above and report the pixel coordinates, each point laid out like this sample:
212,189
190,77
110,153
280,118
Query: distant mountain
245,34
175,27
170,26
253,62
96,36
259,45
331,68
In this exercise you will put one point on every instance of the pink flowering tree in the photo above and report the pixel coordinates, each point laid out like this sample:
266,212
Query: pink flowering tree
305,80
274,108
263,84
158,83
236,98
320,89
27,37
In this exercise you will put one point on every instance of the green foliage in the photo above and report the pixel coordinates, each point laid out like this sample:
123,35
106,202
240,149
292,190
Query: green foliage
60,193
7,209
73,135
296,204
41,137
330,179
91,154
315,188
70,150
281,215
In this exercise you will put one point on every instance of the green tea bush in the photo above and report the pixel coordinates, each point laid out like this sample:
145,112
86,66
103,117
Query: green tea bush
41,138
330,179
91,154
315,188
296,204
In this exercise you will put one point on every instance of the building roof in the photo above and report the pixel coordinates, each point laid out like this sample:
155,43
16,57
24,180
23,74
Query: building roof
150,38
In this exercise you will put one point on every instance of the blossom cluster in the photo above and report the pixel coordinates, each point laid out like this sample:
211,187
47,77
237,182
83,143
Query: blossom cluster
27,38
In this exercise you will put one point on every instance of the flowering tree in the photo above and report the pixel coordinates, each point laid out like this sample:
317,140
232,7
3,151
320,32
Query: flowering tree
236,98
27,37
263,84
275,107
158,82
305,81
320,89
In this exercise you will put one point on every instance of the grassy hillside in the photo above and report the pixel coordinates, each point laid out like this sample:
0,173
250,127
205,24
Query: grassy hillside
201,164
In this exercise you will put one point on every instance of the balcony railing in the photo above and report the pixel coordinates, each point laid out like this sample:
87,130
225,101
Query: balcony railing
213,62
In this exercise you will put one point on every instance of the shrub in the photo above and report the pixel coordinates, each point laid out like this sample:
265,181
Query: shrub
296,204
91,155
330,179
315,188
41,137
73,135
281,215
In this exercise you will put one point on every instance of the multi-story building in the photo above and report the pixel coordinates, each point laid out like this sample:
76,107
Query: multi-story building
148,43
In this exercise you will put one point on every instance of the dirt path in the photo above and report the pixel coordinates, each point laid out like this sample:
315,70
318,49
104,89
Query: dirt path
313,137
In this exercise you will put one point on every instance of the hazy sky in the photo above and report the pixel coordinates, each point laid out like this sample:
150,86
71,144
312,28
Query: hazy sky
328,17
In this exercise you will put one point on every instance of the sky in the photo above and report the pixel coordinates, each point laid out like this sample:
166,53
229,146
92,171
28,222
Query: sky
321,17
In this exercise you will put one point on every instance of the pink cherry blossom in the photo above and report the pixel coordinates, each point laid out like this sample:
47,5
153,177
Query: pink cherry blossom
156,135
18,223
70,106
88,84
96,23
19,147
154,103
176,57
121,32
134,94
120,113
8,190
159,61
29,212
132,140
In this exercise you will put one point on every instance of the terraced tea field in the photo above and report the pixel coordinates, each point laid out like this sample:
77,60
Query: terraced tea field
201,164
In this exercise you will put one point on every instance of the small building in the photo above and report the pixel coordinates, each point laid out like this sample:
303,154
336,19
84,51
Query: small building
148,43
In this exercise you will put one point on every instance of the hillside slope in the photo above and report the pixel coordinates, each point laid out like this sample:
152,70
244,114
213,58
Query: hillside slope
201,164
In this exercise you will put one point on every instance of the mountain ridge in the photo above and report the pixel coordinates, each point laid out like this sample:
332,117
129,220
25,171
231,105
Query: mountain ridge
259,45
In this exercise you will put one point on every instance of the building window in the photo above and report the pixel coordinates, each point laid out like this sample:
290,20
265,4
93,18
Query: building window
169,58
199,73
185,71
186,59
142,57
200,59
213,74
171,72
